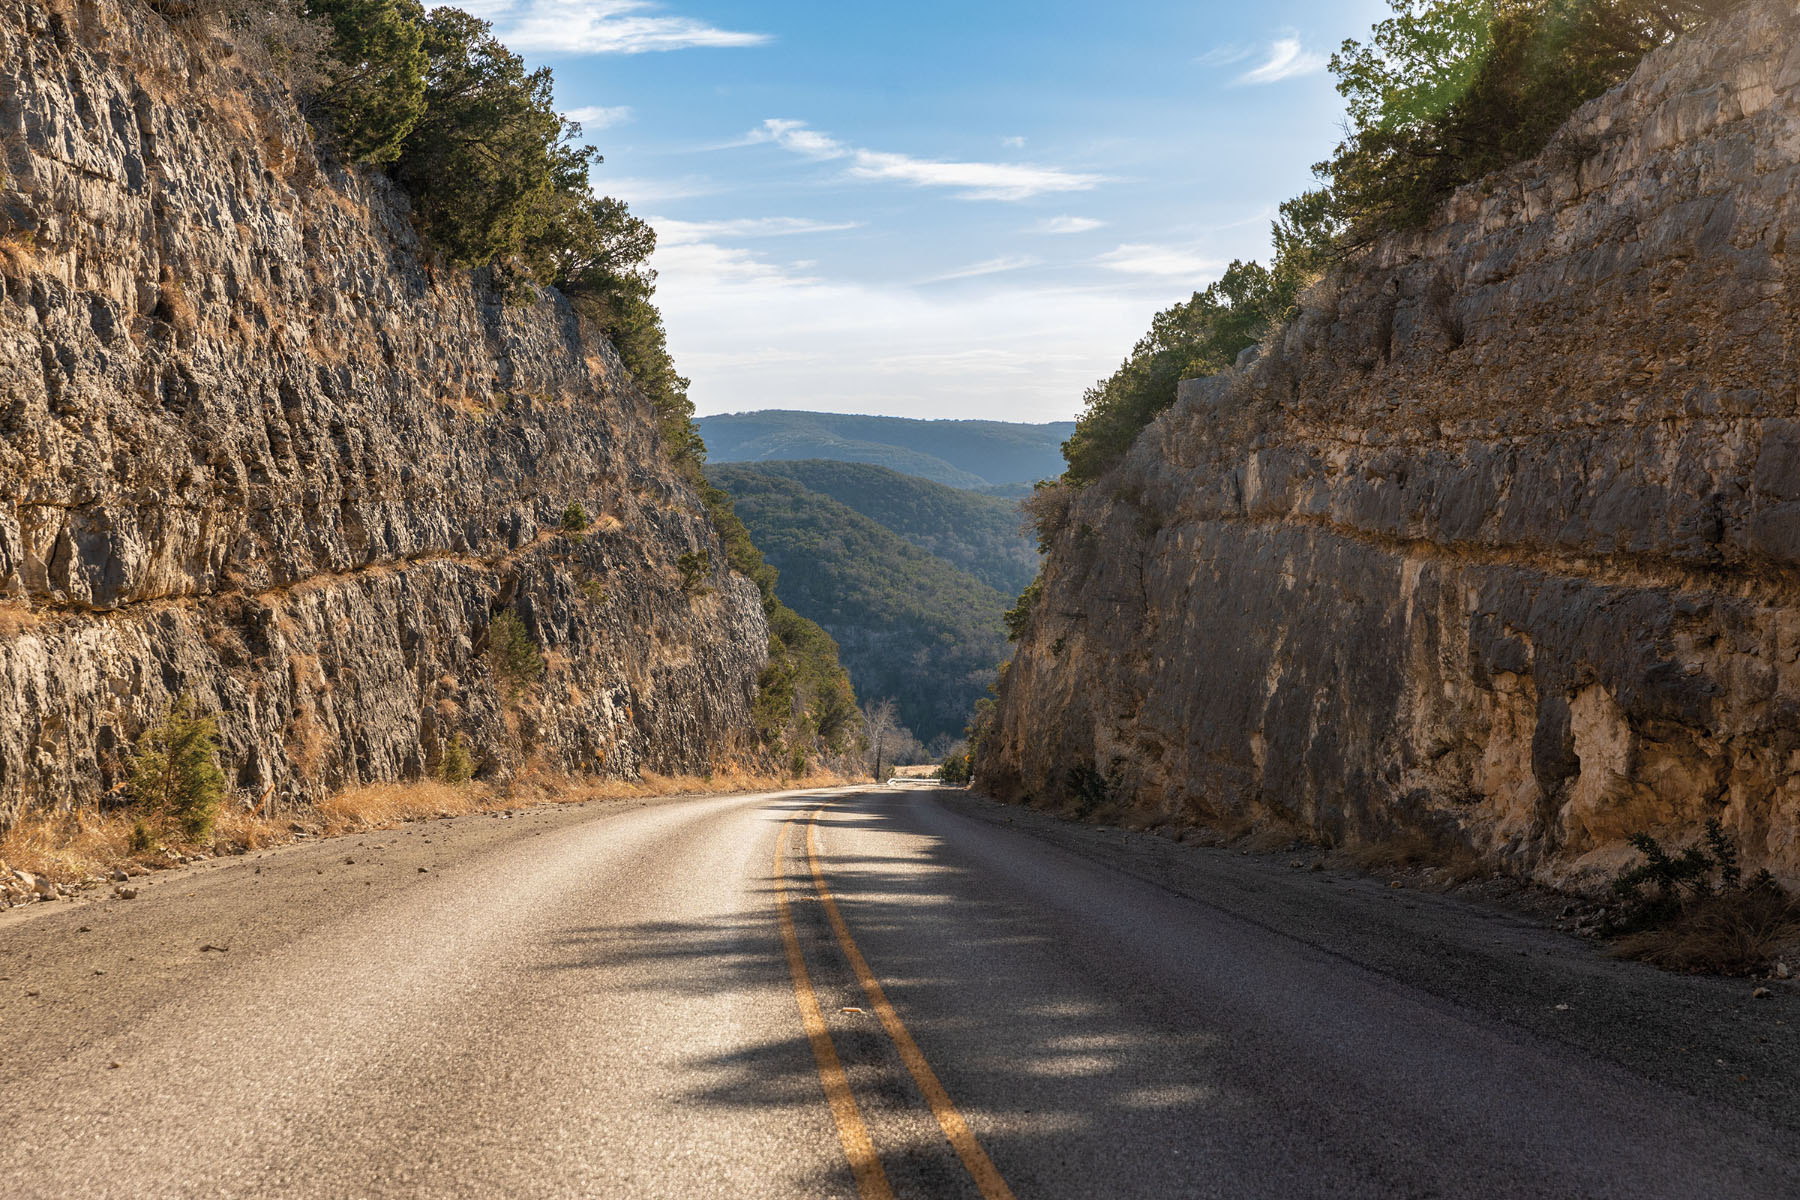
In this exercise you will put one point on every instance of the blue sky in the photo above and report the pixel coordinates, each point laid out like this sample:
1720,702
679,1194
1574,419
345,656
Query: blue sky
937,209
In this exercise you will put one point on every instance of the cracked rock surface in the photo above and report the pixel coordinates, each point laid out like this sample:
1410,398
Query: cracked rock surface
251,449
1499,541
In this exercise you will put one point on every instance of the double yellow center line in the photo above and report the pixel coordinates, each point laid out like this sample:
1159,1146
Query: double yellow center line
859,1148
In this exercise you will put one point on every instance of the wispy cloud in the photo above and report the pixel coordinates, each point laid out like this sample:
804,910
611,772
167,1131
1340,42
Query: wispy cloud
642,192
980,181
795,136
1225,56
1013,143
595,117
992,266
1287,59
975,180
602,27
1162,261
674,233
1057,225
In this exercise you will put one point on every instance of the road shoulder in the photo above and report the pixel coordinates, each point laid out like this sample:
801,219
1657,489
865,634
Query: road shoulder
1708,1037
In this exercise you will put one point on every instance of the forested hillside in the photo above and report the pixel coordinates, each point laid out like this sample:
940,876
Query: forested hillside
961,454
974,531
910,626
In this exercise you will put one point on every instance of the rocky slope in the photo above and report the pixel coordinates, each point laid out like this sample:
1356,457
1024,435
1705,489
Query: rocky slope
253,451
1499,540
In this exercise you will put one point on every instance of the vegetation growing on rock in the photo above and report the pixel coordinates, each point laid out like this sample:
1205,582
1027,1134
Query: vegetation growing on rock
1694,911
175,778
1441,94
514,659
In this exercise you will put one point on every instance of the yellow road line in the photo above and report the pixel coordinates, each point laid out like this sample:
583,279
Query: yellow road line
981,1167
871,1180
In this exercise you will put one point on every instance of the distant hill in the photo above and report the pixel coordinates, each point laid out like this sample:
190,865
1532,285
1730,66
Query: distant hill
910,626
976,532
963,454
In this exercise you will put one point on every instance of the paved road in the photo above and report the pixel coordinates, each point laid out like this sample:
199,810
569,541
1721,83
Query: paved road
652,1000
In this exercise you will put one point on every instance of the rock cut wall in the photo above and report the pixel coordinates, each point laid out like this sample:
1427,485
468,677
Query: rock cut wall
253,451
1499,540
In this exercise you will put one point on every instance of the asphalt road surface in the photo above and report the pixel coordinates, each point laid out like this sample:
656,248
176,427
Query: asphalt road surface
860,994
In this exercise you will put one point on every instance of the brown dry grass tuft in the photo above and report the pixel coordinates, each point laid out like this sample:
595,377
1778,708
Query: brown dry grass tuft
65,847
1444,865
76,847
379,805
18,254
1739,932
15,620
1274,836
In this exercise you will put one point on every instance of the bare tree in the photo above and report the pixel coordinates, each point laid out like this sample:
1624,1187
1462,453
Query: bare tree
881,722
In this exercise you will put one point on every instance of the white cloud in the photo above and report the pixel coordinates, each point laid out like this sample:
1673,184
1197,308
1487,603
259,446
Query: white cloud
976,180
1224,56
980,181
795,136
594,117
1144,258
1013,143
671,233
1066,225
601,27
723,267
1287,59
992,266
752,333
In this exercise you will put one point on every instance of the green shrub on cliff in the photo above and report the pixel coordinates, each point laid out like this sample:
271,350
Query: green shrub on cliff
376,91
489,154
457,766
1447,91
175,776
1202,336
496,176
513,658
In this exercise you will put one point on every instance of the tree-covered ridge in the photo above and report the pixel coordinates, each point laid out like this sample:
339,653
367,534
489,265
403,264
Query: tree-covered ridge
1441,94
960,454
805,704
910,626
976,532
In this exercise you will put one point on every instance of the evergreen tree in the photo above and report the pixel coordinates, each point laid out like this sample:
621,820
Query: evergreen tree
175,775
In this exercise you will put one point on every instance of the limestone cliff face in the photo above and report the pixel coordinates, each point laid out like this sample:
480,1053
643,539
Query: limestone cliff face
1500,539
252,450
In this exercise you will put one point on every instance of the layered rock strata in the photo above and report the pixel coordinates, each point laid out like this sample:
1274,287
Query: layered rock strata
254,450
1499,541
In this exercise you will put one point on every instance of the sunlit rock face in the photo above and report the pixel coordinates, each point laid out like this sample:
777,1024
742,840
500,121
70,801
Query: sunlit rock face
1499,541
253,451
